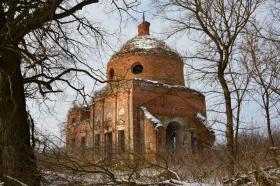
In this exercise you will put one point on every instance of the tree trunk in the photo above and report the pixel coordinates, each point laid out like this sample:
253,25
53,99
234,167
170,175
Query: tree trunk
17,159
266,102
229,125
237,129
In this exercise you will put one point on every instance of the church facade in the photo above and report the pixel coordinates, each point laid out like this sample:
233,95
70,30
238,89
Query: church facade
145,107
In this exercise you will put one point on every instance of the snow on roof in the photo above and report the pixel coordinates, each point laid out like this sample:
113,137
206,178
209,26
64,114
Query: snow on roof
146,43
203,120
157,83
156,122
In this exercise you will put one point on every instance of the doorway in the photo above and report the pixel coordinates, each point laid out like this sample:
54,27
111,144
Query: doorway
173,138
108,144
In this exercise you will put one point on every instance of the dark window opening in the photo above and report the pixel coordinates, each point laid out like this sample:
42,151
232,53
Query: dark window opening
137,69
108,144
83,142
73,120
121,141
73,142
97,143
193,142
83,145
111,73
173,132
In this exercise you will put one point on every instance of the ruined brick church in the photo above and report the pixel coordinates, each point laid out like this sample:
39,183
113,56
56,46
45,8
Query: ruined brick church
144,108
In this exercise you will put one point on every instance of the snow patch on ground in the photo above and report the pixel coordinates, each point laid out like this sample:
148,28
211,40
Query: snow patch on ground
260,176
156,122
55,178
183,183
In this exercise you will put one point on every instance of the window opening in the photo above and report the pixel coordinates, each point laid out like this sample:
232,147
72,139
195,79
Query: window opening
83,141
173,137
83,145
111,74
108,144
97,143
137,68
73,142
73,120
193,142
121,141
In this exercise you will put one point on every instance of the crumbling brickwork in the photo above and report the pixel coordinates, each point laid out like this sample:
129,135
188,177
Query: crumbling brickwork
145,108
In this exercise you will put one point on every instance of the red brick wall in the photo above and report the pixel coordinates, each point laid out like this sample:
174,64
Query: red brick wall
118,108
121,109
163,68
78,126
117,105
166,105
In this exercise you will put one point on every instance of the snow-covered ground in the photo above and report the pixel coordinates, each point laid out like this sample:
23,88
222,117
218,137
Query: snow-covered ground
56,179
268,176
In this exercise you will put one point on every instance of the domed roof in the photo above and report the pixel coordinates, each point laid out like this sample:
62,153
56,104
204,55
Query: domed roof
147,58
145,44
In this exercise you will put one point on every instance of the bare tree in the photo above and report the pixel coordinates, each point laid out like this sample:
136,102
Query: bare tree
219,23
240,80
264,61
39,52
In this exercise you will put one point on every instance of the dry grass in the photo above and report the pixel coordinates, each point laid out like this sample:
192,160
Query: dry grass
206,166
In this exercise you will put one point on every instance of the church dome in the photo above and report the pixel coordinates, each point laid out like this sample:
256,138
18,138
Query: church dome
145,44
148,58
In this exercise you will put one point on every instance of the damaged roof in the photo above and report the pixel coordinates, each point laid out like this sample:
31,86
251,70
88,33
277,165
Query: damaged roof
146,44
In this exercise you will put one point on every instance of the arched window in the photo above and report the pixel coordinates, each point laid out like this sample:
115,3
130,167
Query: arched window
137,68
173,137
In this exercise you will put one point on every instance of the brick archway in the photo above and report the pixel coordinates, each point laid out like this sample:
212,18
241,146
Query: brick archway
173,137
